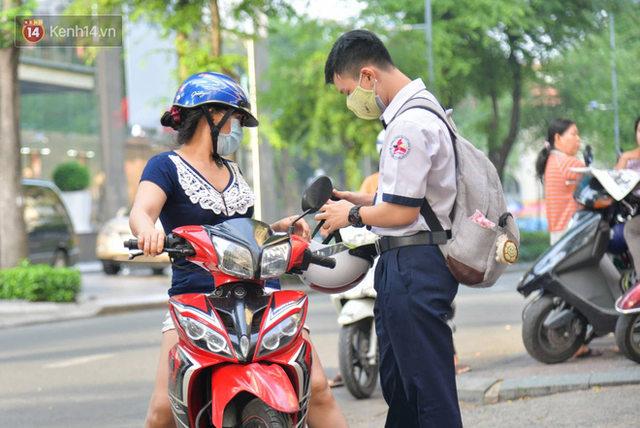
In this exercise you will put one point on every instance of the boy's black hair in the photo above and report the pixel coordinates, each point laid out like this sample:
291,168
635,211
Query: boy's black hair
354,50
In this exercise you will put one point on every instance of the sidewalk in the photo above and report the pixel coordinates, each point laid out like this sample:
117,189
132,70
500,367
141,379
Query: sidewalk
513,378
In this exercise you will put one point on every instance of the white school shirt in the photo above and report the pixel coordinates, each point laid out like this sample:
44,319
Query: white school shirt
417,160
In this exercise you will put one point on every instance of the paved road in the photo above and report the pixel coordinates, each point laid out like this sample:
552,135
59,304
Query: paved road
99,371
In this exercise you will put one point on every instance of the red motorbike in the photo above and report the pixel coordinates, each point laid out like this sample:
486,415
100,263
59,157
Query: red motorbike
241,359
628,324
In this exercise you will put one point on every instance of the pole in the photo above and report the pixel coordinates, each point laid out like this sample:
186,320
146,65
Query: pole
428,29
253,132
614,83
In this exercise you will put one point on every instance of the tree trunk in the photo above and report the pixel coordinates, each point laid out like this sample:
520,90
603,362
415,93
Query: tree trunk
181,48
13,235
498,155
216,40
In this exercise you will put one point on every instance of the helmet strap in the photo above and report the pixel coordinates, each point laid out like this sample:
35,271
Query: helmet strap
215,130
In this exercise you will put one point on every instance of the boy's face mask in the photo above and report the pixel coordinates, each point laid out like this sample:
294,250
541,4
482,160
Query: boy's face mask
365,103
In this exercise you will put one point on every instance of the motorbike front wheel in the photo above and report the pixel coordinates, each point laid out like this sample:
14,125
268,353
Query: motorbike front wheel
550,345
360,376
256,414
628,336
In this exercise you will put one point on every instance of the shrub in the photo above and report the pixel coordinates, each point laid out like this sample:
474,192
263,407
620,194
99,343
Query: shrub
39,283
70,176
532,244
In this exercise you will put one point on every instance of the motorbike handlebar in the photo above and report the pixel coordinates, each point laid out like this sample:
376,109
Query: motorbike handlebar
173,245
325,261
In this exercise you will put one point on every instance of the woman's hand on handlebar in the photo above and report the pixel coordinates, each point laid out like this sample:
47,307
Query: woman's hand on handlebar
151,241
301,228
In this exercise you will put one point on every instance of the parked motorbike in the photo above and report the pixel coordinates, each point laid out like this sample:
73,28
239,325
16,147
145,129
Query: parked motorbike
241,359
628,324
580,277
358,353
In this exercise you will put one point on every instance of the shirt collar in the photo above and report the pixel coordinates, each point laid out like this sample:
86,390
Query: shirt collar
402,97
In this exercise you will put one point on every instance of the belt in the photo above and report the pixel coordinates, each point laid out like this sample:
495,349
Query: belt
386,243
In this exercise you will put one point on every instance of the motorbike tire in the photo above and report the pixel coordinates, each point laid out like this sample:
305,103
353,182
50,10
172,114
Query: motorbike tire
110,268
550,346
256,414
628,336
359,375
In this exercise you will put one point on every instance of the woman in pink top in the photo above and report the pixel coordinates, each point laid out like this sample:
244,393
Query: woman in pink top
631,160
553,167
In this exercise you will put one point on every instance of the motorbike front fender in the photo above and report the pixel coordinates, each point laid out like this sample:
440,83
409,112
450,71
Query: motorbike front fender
269,383
355,310
629,302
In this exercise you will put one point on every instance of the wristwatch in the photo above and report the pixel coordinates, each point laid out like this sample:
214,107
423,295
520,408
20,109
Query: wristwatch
354,217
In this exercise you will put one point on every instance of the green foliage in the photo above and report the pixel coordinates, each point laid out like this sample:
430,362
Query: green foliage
584,74
532,245
39,283
70,176
311,119
7,19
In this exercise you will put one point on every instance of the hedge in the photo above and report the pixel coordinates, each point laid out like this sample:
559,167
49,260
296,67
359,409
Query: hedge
39,283
71,176
532,244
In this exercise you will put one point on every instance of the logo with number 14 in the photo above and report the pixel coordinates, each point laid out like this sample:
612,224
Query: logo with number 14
33,30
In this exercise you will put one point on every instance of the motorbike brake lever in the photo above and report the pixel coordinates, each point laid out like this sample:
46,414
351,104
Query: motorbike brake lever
134,255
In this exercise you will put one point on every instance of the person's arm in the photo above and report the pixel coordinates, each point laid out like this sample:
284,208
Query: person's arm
148,203
301,228
622,162
355,198
335,214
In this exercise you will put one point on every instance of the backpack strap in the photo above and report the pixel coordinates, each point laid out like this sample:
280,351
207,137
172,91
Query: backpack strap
426,104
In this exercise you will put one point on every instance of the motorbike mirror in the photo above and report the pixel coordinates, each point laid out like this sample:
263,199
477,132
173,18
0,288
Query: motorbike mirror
317,194
588,155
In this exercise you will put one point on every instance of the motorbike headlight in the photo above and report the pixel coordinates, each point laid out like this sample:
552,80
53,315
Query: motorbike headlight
204,337
233,259
275,260
280,335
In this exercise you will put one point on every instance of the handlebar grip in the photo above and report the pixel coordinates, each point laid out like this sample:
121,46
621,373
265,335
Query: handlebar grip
131,244
319,260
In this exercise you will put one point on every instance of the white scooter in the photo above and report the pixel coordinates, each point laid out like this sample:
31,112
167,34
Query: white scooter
358,345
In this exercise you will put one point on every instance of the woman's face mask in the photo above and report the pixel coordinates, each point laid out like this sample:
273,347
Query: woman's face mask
365,103
229,143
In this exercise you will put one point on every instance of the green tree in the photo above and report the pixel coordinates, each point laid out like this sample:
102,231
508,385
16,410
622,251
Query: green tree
197,27
309,119
583,75
489,48
13,235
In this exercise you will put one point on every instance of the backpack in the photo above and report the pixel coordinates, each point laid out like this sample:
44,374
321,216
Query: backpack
478,251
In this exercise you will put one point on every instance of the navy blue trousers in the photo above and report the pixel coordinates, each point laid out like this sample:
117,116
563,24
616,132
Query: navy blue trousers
415,292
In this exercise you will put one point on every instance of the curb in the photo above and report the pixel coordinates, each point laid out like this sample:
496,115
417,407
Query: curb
485,391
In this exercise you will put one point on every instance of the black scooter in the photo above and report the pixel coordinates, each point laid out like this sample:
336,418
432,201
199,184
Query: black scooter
579,278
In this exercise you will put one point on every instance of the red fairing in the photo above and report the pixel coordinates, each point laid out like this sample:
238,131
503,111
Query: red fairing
206,256
201,242
267,382
298,245
630,300
198,302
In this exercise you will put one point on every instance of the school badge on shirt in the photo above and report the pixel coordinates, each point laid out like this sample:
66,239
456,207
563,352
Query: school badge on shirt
400,147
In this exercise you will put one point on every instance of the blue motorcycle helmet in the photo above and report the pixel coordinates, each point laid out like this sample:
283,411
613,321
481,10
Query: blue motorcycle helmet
617,243
214,88
208,90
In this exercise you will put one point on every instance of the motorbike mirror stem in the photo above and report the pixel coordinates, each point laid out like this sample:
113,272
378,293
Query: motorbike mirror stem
293,223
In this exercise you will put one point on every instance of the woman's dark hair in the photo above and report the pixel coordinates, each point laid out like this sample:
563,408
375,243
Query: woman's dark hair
183,120
635,128
557,126
354,50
